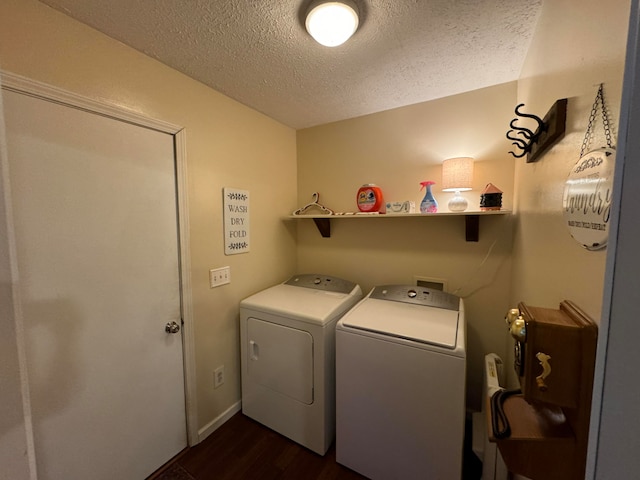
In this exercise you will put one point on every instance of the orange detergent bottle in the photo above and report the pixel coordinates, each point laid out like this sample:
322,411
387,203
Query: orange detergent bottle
370,199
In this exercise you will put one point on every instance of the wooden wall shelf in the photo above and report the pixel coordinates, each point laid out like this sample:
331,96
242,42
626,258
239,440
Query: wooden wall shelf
472,220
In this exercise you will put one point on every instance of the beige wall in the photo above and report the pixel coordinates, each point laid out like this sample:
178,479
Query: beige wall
396,150
228,145
231,145
571,54
573,51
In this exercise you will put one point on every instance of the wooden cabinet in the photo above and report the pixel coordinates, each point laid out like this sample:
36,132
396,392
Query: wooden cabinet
565,340
550,420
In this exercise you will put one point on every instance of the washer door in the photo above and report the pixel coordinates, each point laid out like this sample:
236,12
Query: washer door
280,358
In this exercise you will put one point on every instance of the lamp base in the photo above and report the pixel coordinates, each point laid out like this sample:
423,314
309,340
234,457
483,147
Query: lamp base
458,203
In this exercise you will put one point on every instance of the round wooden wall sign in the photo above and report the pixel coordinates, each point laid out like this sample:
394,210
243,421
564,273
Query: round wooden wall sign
586,202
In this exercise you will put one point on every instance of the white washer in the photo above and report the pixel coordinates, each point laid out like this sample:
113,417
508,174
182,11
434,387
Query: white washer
400,380
287,346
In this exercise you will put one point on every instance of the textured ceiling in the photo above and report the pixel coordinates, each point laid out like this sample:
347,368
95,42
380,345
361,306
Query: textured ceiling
258,52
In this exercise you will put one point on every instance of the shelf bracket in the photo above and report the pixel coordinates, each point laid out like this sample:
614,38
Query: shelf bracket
472,228
324,226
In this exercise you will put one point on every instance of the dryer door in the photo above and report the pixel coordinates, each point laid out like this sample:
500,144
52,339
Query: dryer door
280,358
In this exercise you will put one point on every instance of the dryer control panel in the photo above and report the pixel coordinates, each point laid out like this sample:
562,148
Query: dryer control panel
417,296
321,282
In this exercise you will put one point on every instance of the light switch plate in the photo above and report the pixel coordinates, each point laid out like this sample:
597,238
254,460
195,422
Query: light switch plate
219,276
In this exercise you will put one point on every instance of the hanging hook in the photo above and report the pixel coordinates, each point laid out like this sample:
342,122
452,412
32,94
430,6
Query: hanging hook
525,132
530,137
518,156
541,125
550,128
518,141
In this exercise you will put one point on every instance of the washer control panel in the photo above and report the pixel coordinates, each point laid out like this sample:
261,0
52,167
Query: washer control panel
416,295
321,282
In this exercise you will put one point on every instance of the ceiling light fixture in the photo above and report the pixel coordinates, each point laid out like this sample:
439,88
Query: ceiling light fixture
332,23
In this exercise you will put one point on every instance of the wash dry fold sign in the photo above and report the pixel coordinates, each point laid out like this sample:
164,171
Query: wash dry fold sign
236,221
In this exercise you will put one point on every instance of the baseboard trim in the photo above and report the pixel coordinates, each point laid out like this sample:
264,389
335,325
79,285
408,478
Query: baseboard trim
217,422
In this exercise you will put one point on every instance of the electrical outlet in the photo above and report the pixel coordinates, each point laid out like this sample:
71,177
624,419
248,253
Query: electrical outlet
218,376
219,276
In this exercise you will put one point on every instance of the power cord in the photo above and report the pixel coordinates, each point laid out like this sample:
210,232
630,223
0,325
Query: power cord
499,422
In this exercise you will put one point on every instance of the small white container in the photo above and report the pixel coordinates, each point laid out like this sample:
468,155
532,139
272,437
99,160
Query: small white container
405,206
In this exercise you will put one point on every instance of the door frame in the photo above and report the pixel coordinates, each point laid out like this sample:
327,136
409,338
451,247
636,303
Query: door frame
22,85
613,440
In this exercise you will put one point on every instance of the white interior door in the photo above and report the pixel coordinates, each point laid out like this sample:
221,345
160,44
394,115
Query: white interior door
94,205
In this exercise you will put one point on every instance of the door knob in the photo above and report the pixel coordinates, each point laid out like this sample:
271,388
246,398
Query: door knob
172,327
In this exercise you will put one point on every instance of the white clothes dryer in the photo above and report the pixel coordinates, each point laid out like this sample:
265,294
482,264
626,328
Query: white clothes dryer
287,343
400,384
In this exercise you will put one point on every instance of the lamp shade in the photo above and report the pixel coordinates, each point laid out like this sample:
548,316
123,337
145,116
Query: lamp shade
332,23
457,174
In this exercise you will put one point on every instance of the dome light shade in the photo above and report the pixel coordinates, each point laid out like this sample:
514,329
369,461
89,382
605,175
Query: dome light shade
332,23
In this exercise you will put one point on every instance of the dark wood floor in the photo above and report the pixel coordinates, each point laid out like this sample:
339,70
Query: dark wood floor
244,449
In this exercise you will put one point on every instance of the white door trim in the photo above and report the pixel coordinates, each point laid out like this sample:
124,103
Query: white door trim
16,83
613,431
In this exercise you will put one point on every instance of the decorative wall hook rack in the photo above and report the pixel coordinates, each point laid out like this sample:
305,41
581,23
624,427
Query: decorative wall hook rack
549,130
